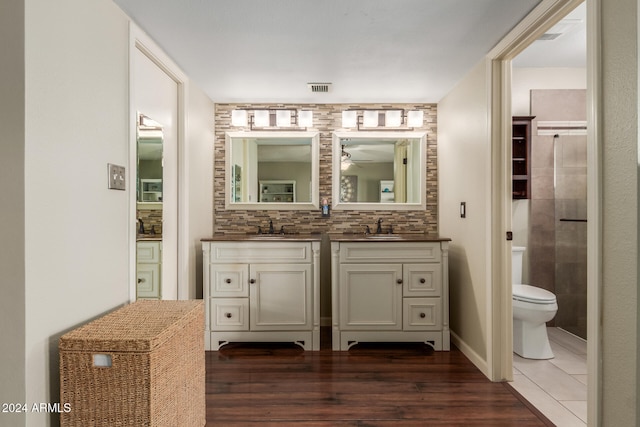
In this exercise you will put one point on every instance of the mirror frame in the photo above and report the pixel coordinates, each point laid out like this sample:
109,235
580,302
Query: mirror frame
314,203
368,206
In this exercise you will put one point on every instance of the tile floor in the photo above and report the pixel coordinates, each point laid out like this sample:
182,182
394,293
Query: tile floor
556,387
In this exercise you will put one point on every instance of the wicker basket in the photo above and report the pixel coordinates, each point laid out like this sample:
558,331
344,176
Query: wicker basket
141,365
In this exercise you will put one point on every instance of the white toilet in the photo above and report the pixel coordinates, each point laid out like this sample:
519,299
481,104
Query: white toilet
532,308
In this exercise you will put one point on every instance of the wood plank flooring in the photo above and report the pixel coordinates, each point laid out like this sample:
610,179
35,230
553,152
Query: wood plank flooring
370,385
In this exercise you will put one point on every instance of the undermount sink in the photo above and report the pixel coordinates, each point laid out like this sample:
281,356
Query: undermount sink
384,236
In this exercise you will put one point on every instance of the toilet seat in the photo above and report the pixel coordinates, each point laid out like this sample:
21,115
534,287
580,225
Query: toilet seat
532,294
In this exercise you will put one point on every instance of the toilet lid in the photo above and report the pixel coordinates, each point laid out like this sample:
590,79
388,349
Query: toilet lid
533,294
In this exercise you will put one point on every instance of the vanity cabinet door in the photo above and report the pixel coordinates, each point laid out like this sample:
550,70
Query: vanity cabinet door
280,297
371,296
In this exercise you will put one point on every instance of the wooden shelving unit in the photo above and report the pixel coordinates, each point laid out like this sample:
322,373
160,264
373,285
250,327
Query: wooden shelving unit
521,156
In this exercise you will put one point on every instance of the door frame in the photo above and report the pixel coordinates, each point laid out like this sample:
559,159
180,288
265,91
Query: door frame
500,347
138,39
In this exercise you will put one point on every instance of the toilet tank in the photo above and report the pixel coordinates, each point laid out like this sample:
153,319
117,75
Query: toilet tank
517,252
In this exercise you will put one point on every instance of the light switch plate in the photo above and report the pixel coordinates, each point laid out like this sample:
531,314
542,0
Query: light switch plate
116,177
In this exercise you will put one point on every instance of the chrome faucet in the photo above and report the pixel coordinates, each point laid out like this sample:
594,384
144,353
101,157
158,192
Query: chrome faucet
270,226
379,229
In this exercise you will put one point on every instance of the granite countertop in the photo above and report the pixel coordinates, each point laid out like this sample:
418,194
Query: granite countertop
400,237
334,237
290,237
149,237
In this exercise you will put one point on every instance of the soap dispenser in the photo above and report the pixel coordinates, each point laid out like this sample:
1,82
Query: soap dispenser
325,208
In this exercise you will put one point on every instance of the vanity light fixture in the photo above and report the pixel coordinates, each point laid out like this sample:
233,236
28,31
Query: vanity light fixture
261,118
349,119
272,119
370,119
305,118
283,118
239,118
382,119
393,118
148,123
415,118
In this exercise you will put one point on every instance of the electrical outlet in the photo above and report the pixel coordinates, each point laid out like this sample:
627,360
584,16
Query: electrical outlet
116,177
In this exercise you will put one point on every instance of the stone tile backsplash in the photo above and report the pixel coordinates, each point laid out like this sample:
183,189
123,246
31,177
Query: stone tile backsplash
326,119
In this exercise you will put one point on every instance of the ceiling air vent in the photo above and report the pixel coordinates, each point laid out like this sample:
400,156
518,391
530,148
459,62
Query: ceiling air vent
565,26
549,36
319,87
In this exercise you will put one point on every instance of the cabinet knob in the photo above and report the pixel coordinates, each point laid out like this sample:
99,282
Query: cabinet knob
422,315
227,280
399,281
140,280
227,315
252,280
423,280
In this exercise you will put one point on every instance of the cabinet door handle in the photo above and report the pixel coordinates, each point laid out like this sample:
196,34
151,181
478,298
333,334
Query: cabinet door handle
422,280
140,280
422,315
252,281
227,280
399,281
227,315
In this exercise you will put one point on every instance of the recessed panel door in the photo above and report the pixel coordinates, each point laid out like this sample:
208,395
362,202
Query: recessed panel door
280,296
371,296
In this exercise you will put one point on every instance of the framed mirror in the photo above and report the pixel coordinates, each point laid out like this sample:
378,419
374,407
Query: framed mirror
379,170
272,170
149,163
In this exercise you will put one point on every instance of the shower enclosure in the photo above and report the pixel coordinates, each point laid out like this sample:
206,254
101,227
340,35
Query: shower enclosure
558,221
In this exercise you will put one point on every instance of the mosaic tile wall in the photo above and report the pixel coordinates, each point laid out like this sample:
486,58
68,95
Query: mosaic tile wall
151,218
326,119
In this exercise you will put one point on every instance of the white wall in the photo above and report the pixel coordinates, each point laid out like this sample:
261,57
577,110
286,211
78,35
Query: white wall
525,79
76,240
198,163
465,176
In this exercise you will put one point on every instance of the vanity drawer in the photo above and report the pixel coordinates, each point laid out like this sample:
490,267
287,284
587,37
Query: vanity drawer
421,314
390,252
260,252
229,280
422,280
148,252
229,314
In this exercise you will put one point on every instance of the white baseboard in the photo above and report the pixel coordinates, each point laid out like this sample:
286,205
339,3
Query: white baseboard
478,361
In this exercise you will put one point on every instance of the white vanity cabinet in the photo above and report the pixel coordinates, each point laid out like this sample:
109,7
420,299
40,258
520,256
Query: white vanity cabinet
263,289
148,268
390,291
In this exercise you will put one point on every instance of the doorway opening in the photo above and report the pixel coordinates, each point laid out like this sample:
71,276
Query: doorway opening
549,86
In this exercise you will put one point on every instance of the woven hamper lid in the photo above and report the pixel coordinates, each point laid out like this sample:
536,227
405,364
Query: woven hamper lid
138,327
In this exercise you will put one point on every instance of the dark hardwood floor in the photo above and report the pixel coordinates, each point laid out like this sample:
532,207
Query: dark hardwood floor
370,385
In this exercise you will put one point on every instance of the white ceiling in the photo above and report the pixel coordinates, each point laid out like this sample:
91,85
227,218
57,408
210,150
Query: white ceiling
370,50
